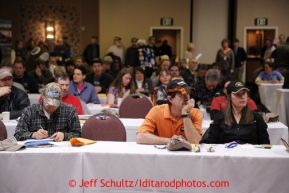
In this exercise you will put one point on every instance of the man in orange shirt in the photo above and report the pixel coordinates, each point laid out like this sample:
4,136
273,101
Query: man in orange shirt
178,117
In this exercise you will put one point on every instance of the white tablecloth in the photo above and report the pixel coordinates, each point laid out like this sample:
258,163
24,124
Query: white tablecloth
246,170
127,167
276,130
34,98
280,105
39,170
206,115
265,92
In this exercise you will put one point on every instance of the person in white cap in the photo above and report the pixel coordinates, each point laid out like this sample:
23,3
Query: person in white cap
49,118
12,99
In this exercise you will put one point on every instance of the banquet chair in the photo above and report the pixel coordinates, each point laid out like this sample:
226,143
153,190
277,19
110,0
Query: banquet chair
3,131
104,127
135,106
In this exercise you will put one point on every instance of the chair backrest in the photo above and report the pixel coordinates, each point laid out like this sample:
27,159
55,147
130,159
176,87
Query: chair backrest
3,131
135,106
109,129
85,108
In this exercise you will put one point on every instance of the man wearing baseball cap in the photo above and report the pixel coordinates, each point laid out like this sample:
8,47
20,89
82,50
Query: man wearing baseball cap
178,117
12,99
117,49
49,118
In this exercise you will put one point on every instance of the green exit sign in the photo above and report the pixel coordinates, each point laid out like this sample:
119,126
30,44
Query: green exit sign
167,21
261,21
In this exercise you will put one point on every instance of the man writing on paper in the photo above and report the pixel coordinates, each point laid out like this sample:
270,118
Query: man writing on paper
178,117
49,118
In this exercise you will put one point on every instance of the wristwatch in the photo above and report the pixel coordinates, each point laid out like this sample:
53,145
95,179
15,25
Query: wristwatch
187,115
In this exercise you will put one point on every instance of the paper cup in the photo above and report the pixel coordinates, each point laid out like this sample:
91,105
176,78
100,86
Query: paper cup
119,100
6,116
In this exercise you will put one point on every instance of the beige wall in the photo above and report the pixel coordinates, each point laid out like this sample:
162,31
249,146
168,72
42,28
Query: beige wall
88,10
276,11
133,18
209,27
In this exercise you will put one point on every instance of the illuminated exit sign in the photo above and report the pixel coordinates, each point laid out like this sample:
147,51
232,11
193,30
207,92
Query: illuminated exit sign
261,21
167,21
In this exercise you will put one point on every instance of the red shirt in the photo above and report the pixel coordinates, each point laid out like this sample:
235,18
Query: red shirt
219,103
72,100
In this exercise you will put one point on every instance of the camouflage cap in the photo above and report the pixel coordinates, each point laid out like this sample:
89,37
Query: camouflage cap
52,94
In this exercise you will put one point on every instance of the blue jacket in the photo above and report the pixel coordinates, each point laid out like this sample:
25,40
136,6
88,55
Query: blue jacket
88,94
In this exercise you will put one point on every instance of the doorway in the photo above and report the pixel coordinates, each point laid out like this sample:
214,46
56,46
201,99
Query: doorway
174,37
254,40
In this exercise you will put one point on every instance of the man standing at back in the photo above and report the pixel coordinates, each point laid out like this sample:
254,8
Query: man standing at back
131,55
240,60
117,49
178,117
281,61
91,51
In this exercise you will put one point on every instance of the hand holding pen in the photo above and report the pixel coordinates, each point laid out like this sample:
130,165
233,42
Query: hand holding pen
40,134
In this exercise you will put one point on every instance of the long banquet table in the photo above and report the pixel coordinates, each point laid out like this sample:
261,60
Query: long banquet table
129,167
276,130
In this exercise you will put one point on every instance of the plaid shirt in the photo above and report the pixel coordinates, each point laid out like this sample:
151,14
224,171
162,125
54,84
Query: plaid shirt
64,119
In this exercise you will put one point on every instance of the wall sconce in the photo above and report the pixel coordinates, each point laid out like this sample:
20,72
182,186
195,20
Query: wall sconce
49,30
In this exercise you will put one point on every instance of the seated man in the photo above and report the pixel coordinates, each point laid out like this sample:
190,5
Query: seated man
11,98
63,80
69,67
201,72
219,103
41,74
8,66
49,118
100,80
29,83
206,89
178,117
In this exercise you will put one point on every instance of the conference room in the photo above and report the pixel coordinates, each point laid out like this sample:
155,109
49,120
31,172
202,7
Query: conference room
115,162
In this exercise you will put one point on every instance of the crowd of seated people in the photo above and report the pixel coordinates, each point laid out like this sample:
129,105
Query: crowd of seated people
149,71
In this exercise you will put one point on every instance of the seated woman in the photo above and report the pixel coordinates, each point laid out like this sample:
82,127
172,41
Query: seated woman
219,103
84,90
142,84
161,88
238,122
121,87
269,75
165,64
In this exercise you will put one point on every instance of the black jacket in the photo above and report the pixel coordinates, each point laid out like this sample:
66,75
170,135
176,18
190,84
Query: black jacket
240,57
29,83
146,81
104,81
15,102
88,53
253,133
